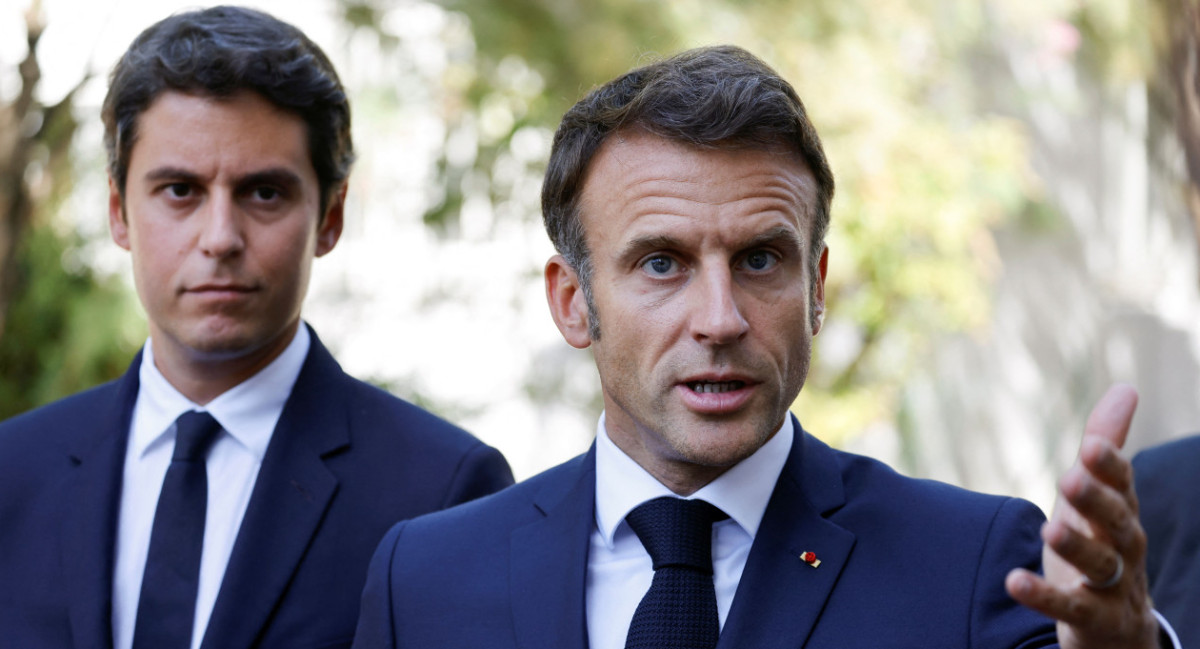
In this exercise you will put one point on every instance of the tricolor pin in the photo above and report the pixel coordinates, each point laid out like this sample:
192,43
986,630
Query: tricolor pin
810,558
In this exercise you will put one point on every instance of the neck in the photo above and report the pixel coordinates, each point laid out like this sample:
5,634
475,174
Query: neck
685,480
204,376
682,477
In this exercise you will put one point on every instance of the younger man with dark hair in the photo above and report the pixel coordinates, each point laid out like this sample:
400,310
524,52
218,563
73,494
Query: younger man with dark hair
229,489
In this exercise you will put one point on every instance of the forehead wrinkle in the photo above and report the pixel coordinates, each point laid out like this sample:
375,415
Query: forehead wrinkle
632,179
789,190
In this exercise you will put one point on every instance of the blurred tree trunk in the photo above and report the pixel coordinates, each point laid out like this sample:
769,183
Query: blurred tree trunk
35,164
16,154
1182,67
62,327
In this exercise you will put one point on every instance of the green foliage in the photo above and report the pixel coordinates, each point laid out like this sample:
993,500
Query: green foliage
1119,36
68,330
923,173
63,328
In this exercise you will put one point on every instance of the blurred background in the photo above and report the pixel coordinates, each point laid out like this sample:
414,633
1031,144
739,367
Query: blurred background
1015,225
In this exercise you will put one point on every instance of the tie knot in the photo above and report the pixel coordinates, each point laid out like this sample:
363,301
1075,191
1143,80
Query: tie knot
195,431
676,532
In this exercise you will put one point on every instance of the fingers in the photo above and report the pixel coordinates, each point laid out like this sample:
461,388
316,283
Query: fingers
1097,562
1086,619
1036,593
1096,524
1110,418
1102,506
1104,461
1094,531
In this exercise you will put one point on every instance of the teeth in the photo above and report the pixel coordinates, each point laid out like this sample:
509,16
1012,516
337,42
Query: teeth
705,387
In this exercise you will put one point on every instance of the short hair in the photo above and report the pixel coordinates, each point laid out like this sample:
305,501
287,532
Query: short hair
219,52
711,97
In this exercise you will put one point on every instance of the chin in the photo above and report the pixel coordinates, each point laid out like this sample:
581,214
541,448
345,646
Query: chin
227,343
222,350
722,452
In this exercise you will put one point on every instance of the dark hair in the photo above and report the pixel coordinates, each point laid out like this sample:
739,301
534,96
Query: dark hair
708,97
219,52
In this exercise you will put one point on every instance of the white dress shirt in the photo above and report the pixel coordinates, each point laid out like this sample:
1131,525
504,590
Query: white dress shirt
619,568
248,413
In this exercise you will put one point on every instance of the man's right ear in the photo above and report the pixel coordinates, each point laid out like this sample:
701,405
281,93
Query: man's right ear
117,226
568,305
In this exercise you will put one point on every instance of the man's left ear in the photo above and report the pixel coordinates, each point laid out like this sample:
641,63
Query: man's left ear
118,226
330,229
818,298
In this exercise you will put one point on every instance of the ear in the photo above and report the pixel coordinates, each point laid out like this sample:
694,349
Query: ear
818,297
330,229
118,227
568,306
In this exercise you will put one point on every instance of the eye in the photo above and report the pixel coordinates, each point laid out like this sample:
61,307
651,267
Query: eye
760,260
659,265
266,193
179,190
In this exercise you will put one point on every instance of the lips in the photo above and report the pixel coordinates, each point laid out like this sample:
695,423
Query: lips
716,395
220,291
221,287
715,387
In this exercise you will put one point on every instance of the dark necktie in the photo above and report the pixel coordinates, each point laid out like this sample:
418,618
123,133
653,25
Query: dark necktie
680,609
167,605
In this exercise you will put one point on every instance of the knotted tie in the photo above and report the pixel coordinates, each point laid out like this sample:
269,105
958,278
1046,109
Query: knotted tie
167,605
680,609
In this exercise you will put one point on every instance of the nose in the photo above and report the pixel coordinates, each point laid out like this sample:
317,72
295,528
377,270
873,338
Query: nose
221,230
716,317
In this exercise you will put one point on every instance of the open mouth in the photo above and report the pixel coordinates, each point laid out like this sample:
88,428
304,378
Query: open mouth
715,387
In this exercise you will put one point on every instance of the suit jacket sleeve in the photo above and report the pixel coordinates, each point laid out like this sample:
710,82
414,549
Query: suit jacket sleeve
483,470
1013,541
375,616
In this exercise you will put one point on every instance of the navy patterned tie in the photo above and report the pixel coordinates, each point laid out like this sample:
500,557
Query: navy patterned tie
167,605
680,609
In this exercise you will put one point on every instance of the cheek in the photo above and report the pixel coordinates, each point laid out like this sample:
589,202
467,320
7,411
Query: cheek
286,261
785,326
158,252
284,249
152,232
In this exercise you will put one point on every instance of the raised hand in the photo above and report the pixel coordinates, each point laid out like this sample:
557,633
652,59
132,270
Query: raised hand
1095,548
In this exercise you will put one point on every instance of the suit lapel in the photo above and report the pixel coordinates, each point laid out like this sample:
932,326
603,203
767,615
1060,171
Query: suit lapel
90,526
290,497
780,597
549,550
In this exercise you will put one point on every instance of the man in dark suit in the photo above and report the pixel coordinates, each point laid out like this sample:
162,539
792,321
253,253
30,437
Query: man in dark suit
228,490
1167,487
688,201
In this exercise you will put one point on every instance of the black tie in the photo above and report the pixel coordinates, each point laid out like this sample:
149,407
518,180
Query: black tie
167,605
680,609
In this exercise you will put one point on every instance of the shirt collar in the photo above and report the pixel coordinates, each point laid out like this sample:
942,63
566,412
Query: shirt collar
248,411
742,492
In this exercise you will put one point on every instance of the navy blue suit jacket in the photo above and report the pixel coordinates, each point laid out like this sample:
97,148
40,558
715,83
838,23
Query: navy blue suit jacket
1168,486
346,461
904,563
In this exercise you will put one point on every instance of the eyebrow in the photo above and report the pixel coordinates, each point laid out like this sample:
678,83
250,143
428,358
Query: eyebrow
639,246
779,235
782,236
274,176
271,176
171,173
